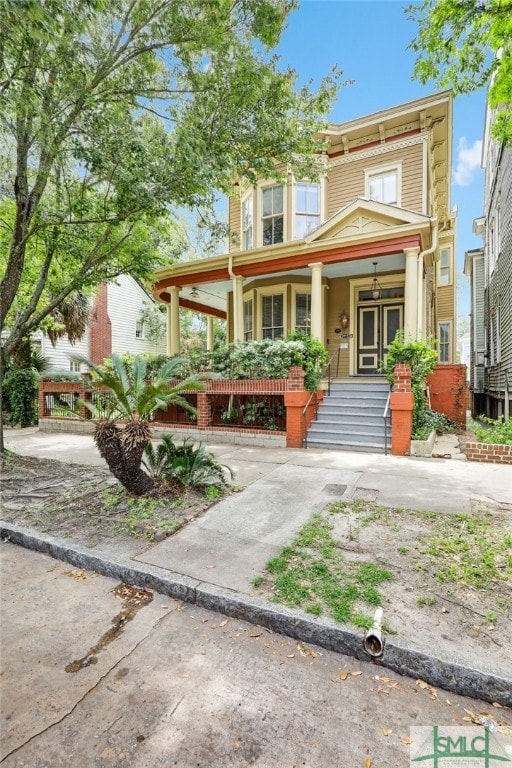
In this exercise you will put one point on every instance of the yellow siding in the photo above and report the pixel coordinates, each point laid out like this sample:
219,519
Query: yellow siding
347,181
234,213
445,304
338,301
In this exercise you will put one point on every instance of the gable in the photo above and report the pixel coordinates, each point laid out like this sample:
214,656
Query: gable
362,217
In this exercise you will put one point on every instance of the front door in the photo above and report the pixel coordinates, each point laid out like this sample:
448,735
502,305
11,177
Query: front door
377,326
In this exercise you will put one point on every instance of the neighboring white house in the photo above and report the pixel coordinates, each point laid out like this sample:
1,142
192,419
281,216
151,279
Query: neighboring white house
115,326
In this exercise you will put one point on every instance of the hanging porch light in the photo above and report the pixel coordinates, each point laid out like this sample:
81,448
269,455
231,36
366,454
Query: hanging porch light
375,287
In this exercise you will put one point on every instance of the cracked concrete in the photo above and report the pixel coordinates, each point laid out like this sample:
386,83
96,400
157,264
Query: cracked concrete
187,687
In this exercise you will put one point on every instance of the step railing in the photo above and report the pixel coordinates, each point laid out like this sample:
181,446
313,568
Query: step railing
327,373
385,417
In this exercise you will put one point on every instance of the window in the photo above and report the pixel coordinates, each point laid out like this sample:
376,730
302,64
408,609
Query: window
383,186
272,325
303,312
139,329
272,215
307,209
248,320
445,267
443,344
74,366
247,223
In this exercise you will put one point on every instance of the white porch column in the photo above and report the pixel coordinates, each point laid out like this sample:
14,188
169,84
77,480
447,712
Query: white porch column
419,323
173,321
411,293
238,308
317,304
209,333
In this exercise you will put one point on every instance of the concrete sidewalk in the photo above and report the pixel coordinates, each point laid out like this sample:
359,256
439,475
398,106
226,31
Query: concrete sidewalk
225,549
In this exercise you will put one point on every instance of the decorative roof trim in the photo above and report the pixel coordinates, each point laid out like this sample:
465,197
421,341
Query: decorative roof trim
381,149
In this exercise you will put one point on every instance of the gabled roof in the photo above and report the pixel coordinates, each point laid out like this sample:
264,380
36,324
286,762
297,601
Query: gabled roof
362,216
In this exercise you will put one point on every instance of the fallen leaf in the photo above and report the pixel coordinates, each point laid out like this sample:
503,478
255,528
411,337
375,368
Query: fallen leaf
210,566
497,705
76,575
386,731
383,679
368,762
291,656
223,623
421,683
356,673
255,634
406,740
344,675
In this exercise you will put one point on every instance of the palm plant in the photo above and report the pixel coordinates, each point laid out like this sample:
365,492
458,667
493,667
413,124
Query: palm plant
133,397
191,465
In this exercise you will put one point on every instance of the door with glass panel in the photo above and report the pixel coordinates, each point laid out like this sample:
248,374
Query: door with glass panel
376,329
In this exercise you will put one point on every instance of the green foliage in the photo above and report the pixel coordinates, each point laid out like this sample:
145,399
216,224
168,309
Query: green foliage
20,396
422,358
62,376
136,392
430,420
457,46
191,465
311,358
496,430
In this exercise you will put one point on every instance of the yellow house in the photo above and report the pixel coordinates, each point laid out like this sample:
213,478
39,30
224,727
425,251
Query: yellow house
352,258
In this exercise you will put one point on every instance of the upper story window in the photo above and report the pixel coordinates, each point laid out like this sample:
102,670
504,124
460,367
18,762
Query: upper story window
247,223
272,215
272,316
445,267
139,329
307,209
384,185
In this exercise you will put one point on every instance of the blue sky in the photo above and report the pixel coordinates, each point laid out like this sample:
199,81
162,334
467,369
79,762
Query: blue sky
368,40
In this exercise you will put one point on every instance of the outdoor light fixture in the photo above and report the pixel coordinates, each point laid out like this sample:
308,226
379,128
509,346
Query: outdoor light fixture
194,292
375,286
344,321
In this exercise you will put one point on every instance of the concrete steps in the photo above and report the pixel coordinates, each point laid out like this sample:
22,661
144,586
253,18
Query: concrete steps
350,418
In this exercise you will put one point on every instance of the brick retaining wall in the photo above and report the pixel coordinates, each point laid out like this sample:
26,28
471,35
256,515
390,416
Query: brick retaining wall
494,453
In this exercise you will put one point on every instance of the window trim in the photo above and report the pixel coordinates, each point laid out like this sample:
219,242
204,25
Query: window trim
450,266
261,190
245,301
296,289
381,170
249,196
139,329
295,212
448,323
279,291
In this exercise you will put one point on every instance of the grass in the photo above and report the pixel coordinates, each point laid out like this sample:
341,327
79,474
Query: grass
313,575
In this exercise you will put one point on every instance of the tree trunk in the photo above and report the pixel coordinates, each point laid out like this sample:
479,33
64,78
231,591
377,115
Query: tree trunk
122,449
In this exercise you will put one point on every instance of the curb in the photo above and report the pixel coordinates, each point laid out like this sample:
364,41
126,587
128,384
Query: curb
325,633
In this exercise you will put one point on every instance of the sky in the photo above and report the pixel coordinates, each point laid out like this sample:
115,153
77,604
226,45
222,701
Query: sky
368,40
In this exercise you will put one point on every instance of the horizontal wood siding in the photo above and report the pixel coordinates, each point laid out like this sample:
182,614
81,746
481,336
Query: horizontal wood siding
445,303
125,302
234,213
59,356
479,309
345,182
338,301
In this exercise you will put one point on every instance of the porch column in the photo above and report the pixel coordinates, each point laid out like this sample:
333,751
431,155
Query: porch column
317,308
419,323
238,308
411,293
173,321
209,333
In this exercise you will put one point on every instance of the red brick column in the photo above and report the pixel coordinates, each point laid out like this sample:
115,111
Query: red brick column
448,391
295,400
203,410
100,342
401,404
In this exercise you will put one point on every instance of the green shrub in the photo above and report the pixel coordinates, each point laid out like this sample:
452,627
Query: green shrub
497,431
20,390
432,420
189,464
62,376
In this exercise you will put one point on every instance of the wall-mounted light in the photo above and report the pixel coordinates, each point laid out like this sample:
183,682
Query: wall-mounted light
375,287
344,321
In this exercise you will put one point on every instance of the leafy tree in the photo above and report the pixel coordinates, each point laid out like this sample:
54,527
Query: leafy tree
133,396
464,44
113,114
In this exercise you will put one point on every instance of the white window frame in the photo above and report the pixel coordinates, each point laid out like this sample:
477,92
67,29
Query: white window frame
448,249
74,366
296,212
263,189
248,198
449,355
295,293
249,333
139,329
383,170
263,294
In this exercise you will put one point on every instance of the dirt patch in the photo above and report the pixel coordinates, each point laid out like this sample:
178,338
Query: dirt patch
450,575
88,505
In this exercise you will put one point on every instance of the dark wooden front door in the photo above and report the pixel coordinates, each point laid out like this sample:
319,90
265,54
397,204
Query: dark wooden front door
377,325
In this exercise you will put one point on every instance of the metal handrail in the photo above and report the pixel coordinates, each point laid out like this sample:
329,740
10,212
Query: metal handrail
325,369
385,416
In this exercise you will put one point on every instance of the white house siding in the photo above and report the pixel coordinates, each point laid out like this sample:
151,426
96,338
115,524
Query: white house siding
479,322
59,357
125,302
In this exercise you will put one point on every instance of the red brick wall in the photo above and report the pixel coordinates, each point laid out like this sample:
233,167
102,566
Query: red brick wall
100,344
448,391
401,403
489,452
